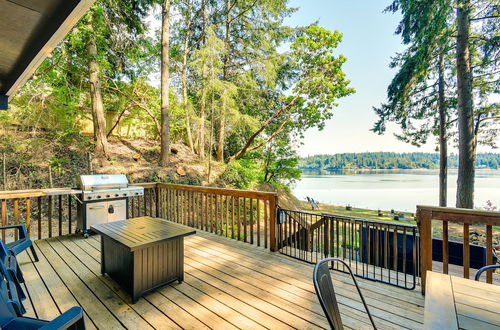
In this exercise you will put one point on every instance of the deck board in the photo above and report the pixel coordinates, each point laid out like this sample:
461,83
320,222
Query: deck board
228,284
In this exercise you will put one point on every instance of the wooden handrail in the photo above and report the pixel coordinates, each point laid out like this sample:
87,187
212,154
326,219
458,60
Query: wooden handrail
221,191
145,184
469,216
466,217
29,193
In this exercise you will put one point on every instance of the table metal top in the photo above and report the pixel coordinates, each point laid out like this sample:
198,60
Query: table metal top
137,233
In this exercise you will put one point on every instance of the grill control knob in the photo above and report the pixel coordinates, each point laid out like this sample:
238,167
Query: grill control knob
90,197
137,193
116,195
125,194
108,196
98,196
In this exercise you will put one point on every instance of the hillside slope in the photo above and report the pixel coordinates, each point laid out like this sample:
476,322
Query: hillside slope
41,160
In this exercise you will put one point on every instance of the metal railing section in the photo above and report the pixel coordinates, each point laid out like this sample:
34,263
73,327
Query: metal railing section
376,250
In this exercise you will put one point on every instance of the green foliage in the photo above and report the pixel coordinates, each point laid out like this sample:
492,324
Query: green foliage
281,163
59,165
428,28
413,95
241,173
320,80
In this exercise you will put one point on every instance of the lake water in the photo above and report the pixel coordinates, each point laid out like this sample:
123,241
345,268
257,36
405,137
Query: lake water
401,190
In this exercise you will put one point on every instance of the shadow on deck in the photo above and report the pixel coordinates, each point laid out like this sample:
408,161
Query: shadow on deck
228,284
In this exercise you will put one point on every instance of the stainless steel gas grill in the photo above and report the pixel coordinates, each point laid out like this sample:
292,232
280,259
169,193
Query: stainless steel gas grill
104,199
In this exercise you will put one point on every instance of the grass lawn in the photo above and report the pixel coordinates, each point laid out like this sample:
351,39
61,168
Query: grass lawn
358,213
455,231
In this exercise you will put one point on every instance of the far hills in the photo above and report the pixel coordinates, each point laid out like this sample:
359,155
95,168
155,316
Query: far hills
390,160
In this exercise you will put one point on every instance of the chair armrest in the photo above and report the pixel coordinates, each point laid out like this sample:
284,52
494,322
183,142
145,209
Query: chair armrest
22,230
65,320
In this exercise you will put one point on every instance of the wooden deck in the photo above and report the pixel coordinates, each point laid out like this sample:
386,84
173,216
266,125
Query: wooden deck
228,284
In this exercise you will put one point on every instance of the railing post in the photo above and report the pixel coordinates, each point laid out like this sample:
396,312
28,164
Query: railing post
272,222
157,197
424,222
4,217
49,212
16,216
28,216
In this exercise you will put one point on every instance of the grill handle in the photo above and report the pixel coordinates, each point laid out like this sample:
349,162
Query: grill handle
96,207
111,209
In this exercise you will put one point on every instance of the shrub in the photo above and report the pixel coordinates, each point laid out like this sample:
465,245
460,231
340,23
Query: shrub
241,173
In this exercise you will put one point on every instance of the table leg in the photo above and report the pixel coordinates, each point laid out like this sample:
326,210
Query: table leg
103,266
180,259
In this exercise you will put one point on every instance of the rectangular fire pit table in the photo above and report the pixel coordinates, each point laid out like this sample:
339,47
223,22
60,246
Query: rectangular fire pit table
143,253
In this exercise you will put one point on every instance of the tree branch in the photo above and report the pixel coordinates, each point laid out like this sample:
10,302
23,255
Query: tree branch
485,17
243,12
252,138
271,137
117,121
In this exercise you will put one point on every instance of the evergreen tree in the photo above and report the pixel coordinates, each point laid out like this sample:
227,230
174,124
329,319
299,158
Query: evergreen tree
421,96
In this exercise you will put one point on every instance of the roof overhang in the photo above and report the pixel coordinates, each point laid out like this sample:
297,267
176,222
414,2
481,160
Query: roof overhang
29,31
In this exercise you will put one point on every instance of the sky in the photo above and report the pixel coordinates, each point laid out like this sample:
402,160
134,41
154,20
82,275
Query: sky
369,43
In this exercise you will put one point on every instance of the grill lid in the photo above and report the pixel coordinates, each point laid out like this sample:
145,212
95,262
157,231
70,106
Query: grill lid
102,181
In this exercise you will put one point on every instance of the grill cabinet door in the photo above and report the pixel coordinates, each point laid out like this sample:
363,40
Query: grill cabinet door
117,210
96,213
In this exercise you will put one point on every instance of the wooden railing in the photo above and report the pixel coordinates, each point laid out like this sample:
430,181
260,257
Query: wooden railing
445,218
45,212
148,204
247,216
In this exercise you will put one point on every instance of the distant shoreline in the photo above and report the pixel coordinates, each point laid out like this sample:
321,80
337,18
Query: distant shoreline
390,161
386,169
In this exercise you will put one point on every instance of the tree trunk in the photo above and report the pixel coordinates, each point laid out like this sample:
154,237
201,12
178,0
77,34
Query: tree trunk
201,132
165,111
185,52
204,18
222,121
101,142
466,139
222,127
185,100
443,138
201,141
210,145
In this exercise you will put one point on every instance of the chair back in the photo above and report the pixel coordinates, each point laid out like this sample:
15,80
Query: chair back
326,294
11,287
7,305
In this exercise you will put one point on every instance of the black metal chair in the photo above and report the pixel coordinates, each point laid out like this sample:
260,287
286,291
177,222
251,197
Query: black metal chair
326,293
483,269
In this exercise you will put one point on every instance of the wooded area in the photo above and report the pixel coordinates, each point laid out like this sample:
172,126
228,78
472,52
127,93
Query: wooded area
234,83
229,79
391,160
